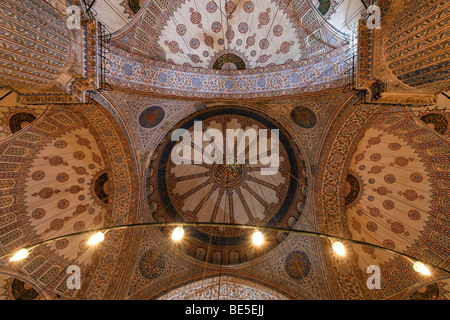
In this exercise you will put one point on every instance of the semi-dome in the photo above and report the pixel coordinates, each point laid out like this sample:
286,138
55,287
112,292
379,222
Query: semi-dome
230,34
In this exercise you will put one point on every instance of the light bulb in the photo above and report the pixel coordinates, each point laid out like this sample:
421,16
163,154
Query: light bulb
257,238
96,238
19,255
177,234
339,248
421,268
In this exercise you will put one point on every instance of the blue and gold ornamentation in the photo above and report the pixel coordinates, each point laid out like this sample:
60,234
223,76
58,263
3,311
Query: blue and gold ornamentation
19,120
229,58
352,189
228,174
304,117
324,6
151,264
438,121
151,117
297,265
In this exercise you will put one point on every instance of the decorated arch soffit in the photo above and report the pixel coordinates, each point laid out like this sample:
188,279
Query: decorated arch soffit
69,170
389,192
231,288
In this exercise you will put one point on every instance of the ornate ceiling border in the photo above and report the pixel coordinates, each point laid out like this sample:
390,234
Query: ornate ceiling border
348,127
132,73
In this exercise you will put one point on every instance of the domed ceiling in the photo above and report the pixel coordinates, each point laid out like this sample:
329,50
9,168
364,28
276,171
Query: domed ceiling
60,173
239,31
367,172
236,191
231,34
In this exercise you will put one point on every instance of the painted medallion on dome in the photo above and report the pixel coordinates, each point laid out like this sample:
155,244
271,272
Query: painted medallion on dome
304,117
151,117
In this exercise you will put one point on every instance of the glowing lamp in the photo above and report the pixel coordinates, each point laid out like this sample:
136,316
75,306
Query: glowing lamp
96,238
257,238
339,248
421,268
19,255
177,234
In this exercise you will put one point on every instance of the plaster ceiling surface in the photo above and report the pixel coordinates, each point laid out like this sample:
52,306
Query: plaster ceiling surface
114,14
343,15
293,264
387,202
63,177
259,35
232,34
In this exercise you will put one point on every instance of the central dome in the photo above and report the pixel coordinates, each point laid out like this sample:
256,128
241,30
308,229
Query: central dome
244,185
228,174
